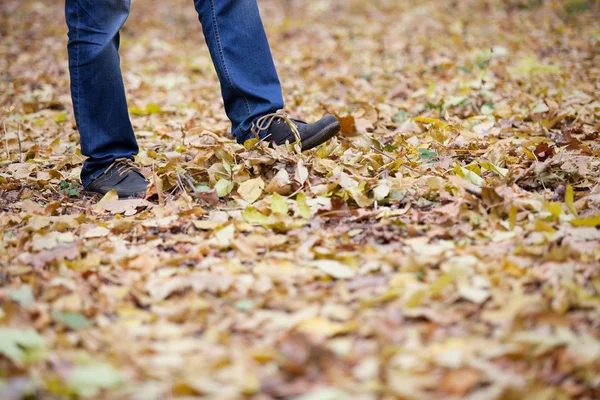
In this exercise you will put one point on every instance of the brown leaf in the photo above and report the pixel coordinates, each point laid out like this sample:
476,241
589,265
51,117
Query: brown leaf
210,197
460,382
157,184
348,125
543,151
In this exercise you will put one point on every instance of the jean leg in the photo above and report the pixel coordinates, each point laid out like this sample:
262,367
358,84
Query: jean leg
240,51
97,87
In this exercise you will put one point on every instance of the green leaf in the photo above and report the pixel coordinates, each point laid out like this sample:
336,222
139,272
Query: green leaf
278,204
425,154
88,380
576,7
226,166
203,188
22,295
73,192
72,320
223,187
244,304
20,345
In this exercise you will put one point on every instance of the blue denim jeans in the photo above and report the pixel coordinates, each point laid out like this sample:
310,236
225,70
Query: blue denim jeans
239,49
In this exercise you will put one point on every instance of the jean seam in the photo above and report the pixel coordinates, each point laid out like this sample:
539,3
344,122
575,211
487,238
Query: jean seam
76,104
91,17
222,56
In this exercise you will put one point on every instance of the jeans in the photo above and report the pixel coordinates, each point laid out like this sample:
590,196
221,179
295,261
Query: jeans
239,49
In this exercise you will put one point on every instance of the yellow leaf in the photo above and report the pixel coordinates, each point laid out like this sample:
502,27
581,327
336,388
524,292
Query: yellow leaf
416,298
251,189
589,221
469,175
303,207
263,355
541,226
152,108
529,153
359,197
323,327
225,235
433,121
334,269
569,199
111,195
443,281
532,66
278,204
513,270
253,216
554,208
512,216
250,144
491,167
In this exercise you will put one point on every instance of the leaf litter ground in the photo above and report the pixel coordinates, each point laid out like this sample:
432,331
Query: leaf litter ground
446,245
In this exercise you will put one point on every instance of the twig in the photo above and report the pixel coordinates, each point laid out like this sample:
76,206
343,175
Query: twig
260,141
189,182
296,192
6,141
19,140
382,153
485,71
180,183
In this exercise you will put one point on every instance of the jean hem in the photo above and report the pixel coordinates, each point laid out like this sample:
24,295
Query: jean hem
87,180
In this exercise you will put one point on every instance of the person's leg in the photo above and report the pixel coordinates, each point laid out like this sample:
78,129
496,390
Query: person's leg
96,83
238,46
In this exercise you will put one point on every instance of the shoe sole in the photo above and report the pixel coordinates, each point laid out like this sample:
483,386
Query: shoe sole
322,136
121,197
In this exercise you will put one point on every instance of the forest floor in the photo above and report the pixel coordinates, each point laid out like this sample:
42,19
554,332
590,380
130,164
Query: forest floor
446,245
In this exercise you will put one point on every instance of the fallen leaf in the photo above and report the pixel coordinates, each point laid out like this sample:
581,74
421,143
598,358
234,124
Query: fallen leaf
251,189
20,346
334,269
126,207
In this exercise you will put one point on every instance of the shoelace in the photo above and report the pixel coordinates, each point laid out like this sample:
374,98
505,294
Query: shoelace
123,166
265,122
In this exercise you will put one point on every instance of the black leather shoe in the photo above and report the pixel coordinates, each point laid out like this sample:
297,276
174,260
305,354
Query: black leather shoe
280,129
124,176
